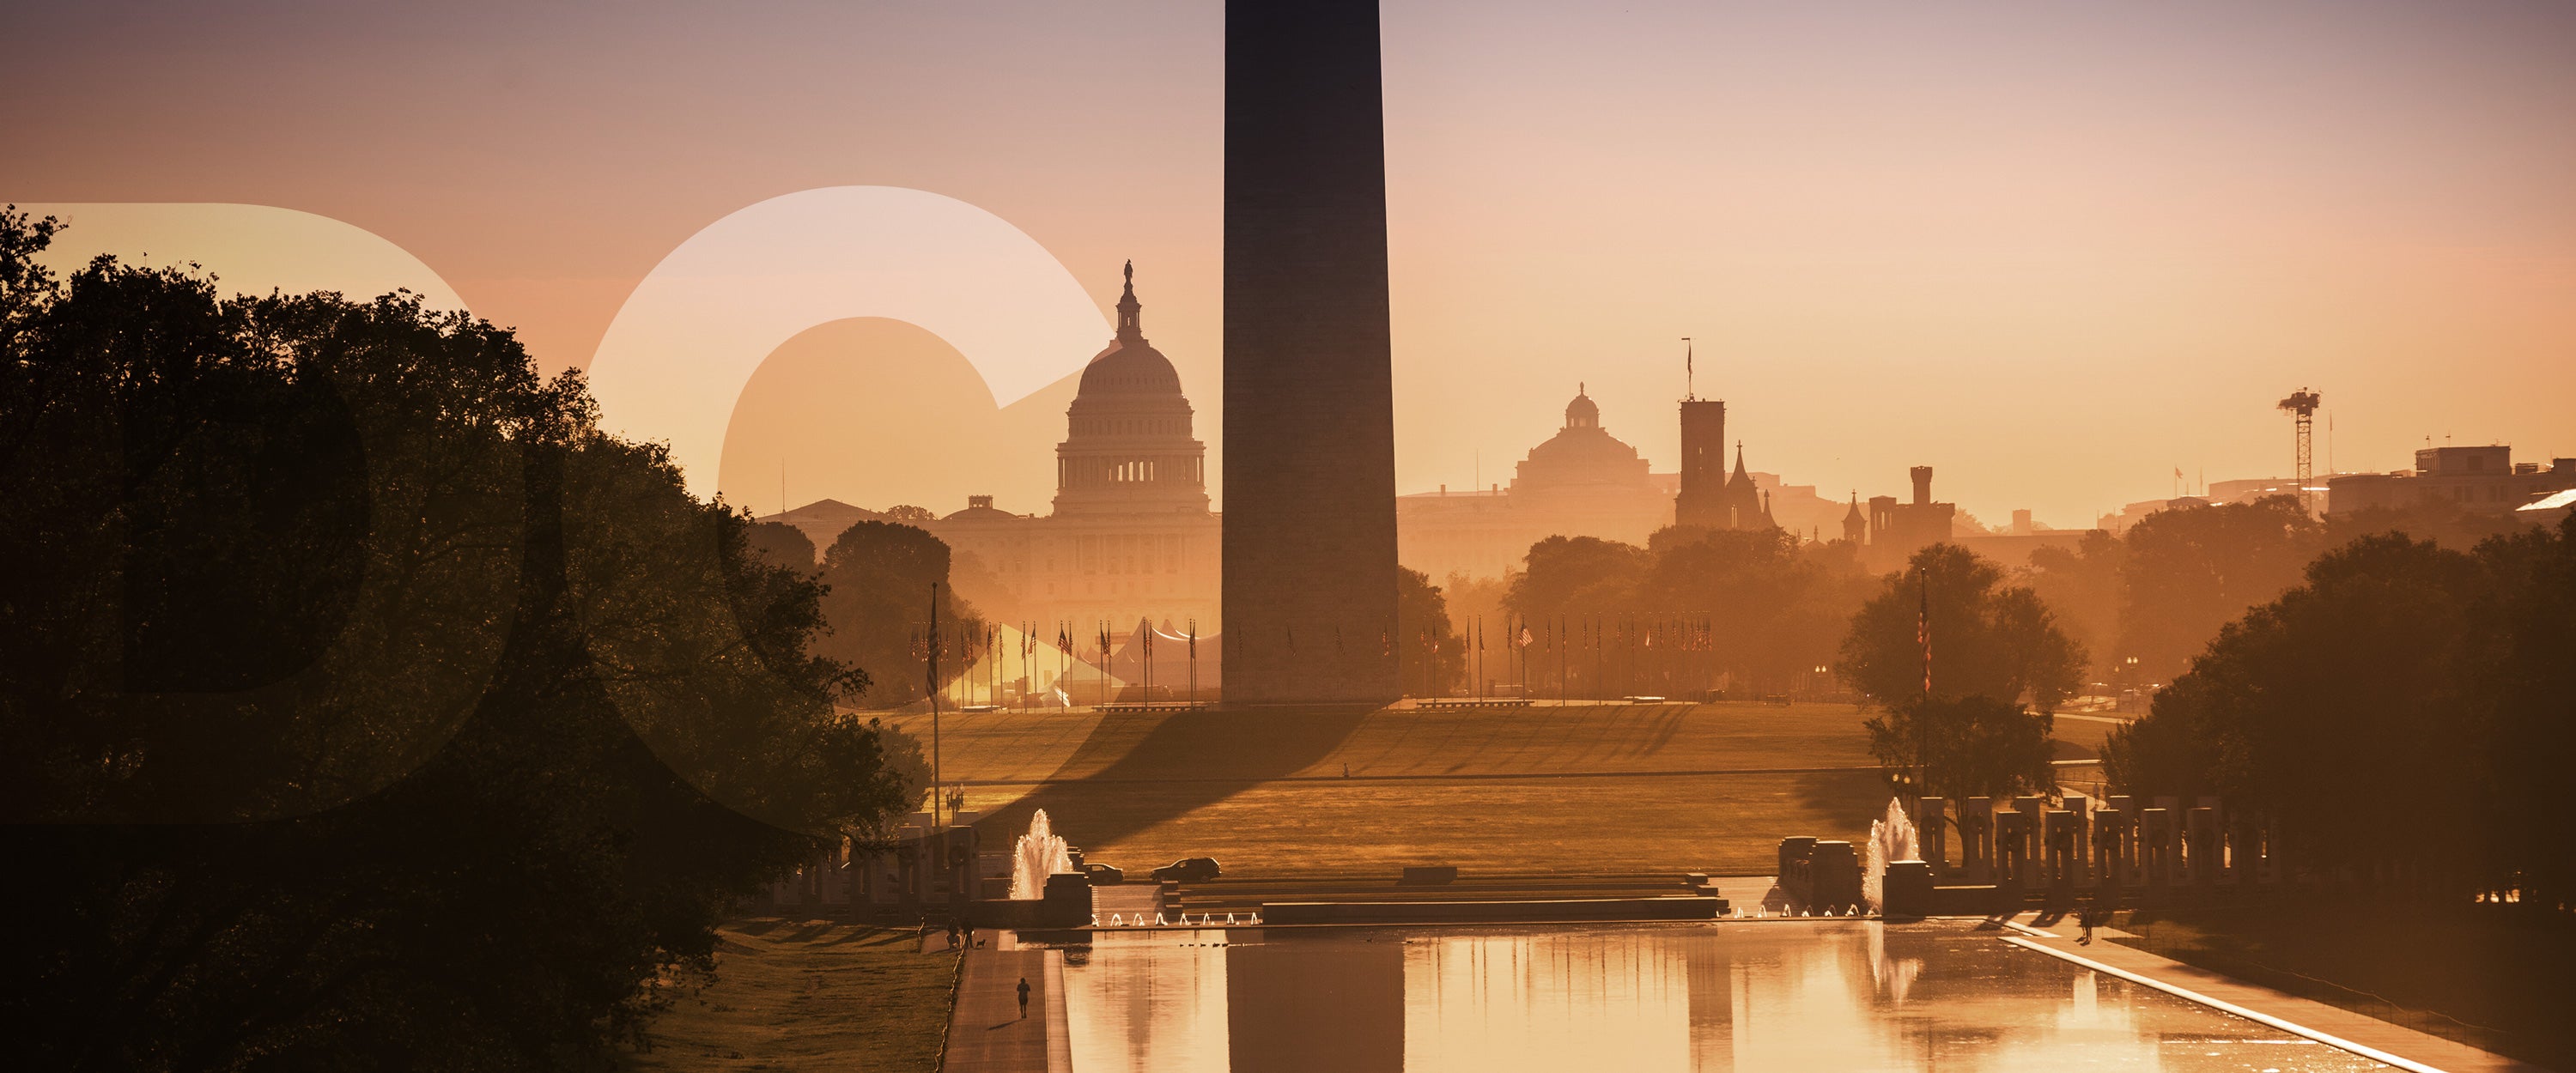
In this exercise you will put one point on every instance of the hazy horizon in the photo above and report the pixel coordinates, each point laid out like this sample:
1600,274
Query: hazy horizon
2055,254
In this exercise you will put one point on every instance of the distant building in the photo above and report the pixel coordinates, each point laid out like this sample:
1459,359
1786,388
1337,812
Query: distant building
1710,498
824,520
1131,537
2120,520
1581,482
1897,529
2482,480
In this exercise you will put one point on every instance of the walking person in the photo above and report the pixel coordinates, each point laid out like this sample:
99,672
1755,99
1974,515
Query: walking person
1024,998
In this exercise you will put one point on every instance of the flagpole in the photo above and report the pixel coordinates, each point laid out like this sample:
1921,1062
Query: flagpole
1922,719
933,689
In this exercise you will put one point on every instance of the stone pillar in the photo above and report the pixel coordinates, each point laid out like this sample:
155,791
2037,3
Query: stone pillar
2082,808
2156,846
1932,829
2109,870
1309,536
1977,840
2057,840
2012,848
2033,834
2200,846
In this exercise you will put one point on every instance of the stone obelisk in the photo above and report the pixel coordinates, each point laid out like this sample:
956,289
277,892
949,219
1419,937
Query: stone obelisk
1310,574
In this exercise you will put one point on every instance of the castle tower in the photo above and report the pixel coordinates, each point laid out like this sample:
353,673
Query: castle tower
1310,573
1127,446
1855,526
1702,501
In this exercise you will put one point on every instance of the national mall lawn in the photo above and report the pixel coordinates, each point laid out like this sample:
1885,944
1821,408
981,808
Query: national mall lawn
1551,788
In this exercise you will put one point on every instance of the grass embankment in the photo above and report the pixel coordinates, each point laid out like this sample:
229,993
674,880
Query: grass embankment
809,995
2491,977
1575,788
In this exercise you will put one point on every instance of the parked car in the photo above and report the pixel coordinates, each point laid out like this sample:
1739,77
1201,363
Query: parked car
1188,870
1104,875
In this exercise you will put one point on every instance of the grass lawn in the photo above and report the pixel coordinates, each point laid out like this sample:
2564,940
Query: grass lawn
809,995
1578,788
2494,978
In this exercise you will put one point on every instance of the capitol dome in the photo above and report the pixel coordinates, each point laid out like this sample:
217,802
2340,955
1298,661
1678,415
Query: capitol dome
1127,445
1130,366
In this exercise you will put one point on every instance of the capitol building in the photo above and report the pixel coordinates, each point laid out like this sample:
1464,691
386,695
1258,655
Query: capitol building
1130,535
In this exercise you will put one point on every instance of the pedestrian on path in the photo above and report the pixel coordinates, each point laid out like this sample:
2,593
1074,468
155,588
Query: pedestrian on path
1024,998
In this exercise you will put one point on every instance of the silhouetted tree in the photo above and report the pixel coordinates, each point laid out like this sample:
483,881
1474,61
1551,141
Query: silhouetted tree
1967,746
781,544
2191,570
361,704
1427,648
878,577
1771,607
1576,576
2405,711
1988,639
2081,585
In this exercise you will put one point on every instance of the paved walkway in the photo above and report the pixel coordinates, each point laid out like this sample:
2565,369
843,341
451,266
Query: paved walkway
987,1033
2361,1033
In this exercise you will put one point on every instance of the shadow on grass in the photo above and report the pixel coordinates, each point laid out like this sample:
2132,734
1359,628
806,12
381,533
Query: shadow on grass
1140,770
1860,795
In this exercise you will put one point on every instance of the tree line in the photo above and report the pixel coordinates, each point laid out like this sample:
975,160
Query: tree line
2403,714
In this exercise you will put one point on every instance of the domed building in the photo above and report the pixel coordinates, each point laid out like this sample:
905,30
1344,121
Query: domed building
1580,482
1130,536
1582,461
1127,446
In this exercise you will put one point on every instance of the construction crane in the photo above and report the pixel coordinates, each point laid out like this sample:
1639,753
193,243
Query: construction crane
2302,405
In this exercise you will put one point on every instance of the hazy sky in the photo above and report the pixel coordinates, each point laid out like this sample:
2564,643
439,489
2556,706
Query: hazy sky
2054,250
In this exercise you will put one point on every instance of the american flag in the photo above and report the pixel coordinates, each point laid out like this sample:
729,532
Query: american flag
1923,626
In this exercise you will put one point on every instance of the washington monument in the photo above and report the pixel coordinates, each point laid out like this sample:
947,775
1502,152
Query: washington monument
1310,574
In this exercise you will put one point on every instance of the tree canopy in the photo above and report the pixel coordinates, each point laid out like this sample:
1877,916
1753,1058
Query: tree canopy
879,577
1754,605
1988,638
1973,746
2408,706
361,704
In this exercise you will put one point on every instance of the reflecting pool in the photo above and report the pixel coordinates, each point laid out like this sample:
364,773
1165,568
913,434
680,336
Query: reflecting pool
1853,995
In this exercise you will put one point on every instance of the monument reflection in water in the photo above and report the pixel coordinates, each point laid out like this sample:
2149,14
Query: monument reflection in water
1771,996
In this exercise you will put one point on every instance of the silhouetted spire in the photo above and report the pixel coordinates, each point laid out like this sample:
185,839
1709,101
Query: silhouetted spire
1740,475
1131,327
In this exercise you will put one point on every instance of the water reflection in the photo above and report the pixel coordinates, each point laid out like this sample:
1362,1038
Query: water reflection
1775,996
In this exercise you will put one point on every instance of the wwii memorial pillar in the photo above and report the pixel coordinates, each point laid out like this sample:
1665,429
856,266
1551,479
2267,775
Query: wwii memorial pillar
1309,413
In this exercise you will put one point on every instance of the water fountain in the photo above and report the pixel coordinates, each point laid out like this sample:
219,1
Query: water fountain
1891,839
1038,854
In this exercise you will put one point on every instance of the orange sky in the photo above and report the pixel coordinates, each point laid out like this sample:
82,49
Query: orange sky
2054,252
